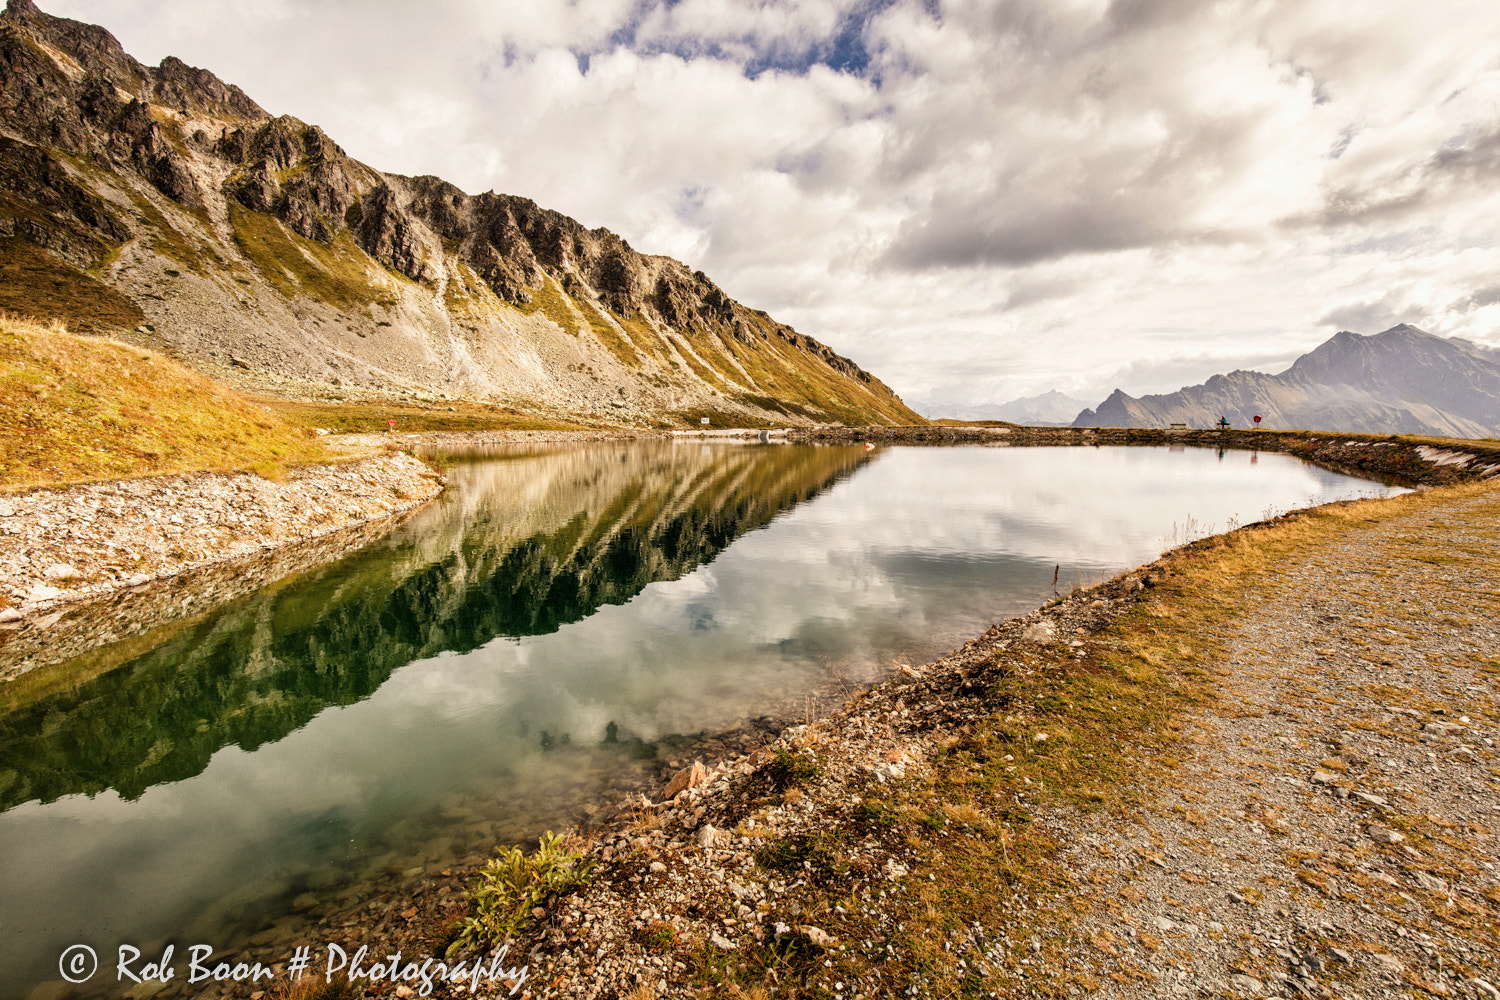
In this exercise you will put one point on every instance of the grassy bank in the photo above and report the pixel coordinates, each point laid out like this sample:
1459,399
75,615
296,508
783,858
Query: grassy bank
82,408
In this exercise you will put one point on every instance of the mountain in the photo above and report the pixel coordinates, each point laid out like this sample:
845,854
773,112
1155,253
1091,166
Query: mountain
1402,381
166,202
1050,407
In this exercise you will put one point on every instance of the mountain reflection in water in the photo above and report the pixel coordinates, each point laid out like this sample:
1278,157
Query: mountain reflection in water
540,539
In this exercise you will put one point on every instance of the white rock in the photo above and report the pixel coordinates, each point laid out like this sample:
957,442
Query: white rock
722,943
60,571
9,615
1485,988
1368,799
816,935
1430,882
42,592
1247,984
1041,633
1384,834
1324,777
1163,924
705,835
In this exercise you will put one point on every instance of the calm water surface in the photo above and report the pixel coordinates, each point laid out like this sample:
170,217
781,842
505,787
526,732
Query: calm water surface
452,686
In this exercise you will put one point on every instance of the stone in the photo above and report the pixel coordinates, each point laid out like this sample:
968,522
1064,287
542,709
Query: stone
1324,777
1431,882
816,935
1366,798
688,777
60,571
1485,988
1041,633
705,835
722,943
657,867
9,615
1163,924
1443,728
1388,963
42,592
1248,985
1384,834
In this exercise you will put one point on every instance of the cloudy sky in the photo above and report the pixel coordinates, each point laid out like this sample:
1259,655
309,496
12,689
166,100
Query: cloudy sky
975,200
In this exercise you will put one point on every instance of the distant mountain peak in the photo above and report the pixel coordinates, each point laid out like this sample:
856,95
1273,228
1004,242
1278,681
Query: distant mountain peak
1402,380
1050,407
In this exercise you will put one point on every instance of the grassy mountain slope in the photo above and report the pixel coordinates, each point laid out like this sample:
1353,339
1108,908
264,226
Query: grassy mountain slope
80,408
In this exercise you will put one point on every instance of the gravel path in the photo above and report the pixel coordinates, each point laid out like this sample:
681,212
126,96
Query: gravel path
1333,831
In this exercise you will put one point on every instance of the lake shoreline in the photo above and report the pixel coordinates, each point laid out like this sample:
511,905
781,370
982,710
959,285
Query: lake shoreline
44,616
67,554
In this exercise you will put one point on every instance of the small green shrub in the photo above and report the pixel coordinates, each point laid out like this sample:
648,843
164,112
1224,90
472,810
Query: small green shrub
504,892
789,770
873,813
815,854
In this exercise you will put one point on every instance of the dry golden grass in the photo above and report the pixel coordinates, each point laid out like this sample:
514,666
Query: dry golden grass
76,409
368,416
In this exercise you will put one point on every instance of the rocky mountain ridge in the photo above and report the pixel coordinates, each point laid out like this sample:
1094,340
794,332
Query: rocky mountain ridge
1402,381
168,201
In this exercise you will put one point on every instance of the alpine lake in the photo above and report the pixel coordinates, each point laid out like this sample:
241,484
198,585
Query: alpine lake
563,626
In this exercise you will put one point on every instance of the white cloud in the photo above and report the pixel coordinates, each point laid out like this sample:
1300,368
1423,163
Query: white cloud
975,199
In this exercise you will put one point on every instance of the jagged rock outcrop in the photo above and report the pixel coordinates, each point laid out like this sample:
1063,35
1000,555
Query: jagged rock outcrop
1402,381
256,237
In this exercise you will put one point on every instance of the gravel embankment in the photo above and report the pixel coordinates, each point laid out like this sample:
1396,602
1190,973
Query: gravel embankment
63,547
